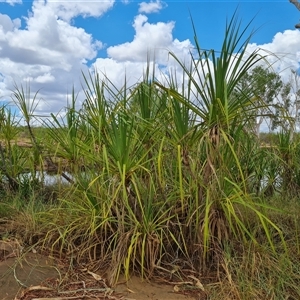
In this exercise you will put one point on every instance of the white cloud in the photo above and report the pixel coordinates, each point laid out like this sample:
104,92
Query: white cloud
6,24
151,7
117,71
283,53
67,10
47,77
12,2
50,52
151,42
154,40
128,73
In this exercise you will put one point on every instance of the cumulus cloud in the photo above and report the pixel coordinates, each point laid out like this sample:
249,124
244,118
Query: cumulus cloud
283,53
12,2
7,24
129,73
47,77
49,53
151,7
67,10
154,40
117,71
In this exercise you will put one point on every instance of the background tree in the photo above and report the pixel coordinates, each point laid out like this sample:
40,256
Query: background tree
265,86
297,4
288,106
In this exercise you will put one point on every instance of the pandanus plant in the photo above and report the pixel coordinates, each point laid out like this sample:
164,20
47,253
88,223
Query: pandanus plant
222,110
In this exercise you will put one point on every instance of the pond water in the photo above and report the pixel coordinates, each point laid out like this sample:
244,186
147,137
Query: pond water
48,178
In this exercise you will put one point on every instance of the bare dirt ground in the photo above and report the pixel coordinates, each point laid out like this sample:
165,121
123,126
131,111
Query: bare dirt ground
33,276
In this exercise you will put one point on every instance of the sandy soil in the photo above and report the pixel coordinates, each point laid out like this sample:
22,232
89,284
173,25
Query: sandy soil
34,276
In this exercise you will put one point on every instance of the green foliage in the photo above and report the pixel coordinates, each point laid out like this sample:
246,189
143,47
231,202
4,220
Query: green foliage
266,85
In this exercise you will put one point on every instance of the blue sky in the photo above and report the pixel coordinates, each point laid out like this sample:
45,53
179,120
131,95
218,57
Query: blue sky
49,43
